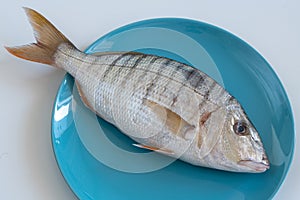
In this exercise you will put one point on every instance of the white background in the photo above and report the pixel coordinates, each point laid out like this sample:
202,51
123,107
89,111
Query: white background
28,168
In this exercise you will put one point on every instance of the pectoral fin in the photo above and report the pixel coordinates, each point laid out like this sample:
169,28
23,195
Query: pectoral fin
160,150
171,120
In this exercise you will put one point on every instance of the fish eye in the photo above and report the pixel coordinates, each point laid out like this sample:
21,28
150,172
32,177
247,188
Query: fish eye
240,128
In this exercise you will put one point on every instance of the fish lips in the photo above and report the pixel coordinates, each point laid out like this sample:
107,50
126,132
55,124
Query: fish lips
256,166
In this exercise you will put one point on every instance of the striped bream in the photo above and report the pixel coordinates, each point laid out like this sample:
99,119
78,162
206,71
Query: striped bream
162,104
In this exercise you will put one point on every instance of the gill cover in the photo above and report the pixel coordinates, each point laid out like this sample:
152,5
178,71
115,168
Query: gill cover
210,131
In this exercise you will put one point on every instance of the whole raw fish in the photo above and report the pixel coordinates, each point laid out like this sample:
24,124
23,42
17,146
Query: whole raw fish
162,104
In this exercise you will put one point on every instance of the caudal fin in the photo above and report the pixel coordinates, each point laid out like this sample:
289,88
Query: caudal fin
48,38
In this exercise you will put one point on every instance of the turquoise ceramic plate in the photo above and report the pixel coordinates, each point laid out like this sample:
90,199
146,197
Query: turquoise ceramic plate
98,162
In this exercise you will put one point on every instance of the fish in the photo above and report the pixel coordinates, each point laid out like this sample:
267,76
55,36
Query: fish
164,105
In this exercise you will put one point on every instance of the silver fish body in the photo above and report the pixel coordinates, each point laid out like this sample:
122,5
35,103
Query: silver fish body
164,105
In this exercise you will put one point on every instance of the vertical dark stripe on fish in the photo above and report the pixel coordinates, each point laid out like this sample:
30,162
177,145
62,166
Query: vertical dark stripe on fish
141,77
229,100
158,74
194,78
113,64
123,64
182,68
131,54
207,93
106,72
132,69
153,60
175,70
148,90
169,79
117,59
199,81
167,62
137,62
110,66
187,73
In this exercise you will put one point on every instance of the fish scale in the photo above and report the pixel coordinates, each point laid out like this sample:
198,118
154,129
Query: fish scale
164,105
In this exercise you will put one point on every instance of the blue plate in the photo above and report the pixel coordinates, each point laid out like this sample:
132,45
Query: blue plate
99,162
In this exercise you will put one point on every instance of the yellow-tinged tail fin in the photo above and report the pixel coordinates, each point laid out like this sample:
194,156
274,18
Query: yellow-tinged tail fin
48,38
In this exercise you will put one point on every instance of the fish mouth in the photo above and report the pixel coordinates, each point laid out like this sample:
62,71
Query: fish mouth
256,166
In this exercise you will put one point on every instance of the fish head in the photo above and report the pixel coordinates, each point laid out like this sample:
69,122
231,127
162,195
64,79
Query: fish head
240,144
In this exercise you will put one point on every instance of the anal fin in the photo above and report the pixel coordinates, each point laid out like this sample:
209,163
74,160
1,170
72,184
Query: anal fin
160,150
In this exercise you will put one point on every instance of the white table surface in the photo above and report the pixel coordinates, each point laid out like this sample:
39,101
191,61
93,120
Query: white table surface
28,168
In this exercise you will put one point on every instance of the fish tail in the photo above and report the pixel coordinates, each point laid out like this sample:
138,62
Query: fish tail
48,38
